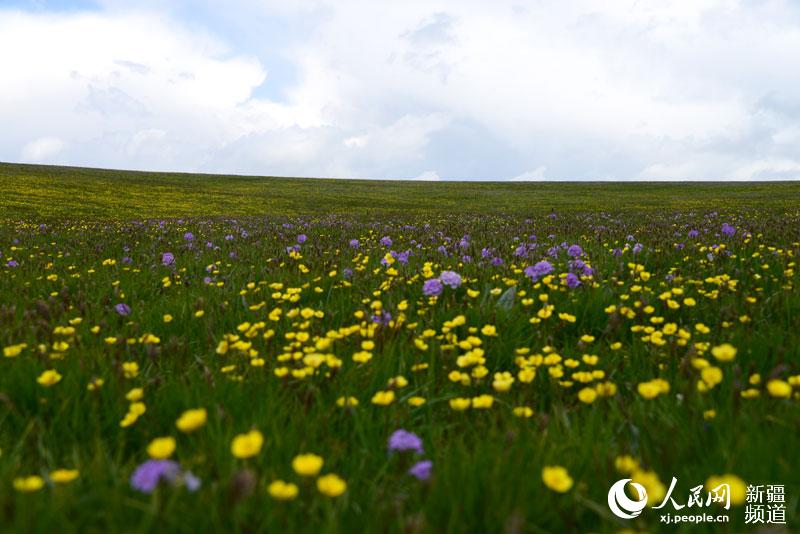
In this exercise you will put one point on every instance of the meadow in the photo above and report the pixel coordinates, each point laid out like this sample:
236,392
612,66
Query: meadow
194,353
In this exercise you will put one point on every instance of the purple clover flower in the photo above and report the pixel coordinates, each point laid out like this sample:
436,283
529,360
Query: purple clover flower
451,279
728,230
542,268
432,287
123,309
421,470
188,236
302,238
167,258
150,473
572,280
575,251
147,476
403,440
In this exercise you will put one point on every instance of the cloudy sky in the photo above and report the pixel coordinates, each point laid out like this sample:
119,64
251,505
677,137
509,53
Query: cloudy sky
450,90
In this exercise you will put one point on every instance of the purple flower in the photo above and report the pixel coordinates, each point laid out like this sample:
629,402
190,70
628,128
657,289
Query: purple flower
692,234
575,251
12,263
421,470
123,309
450,278
402,257
637,248
403,440
302,238
150,473
616,252
188,236
728,230
386,241
572,281
542,268
167,258
347,273
354,243
497,261
432,287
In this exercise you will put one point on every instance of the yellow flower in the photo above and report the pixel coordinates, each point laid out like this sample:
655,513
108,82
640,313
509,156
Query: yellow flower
167,318
247,445
652,483
346,401
383,398
134,395
28,484
648,390
416,401
711,376
779,388
489,330
738,488
13,350
191,420
482,402
587,395
626,464
522,411
331,485
460,403
724,353
556,478
49,378
307,465
161,448
282,491
63,476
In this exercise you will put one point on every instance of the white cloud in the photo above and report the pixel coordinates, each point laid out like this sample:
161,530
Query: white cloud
536,175
588,89
42,150
428,176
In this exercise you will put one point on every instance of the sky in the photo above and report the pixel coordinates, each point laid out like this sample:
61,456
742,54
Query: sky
426,90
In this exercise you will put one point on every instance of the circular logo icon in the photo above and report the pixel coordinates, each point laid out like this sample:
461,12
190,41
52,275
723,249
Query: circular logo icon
623,506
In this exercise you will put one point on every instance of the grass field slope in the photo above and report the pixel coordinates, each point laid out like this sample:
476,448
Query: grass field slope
44,191
193,353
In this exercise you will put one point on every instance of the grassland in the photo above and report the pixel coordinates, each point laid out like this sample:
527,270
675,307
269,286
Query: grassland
53,192
642,331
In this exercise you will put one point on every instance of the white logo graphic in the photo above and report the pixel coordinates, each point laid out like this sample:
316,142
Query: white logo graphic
623,506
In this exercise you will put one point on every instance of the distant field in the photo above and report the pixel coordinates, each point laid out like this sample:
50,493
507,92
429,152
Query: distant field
46,191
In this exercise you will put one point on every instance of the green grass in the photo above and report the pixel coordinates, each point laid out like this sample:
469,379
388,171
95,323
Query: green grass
61,226
52,192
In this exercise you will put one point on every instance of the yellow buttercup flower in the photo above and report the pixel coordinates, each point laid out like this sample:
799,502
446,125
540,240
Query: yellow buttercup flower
331,485
737,487
191,420
282,491
247,445
724,353
383,398
307,465
779,388
161,448
49,378
557,478
64,476
28,484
